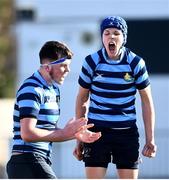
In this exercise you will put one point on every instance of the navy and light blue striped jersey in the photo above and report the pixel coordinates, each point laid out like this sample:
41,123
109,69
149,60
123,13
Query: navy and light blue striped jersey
35,98
113,86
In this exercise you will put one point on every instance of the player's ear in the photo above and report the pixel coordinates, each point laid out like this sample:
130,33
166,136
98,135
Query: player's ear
48,68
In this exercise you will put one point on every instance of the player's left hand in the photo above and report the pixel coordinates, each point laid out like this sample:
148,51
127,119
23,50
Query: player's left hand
78,151
87,136
149,150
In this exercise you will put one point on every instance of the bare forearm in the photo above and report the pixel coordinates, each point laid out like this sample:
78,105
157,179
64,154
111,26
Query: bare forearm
31,133
82,104
149,121
149,149
81,110
148,113
38,134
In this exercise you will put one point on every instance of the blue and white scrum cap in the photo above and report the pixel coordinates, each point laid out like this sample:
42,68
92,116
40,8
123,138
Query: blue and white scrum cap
115,22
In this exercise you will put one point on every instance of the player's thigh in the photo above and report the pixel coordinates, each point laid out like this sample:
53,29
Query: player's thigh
42,168
19,170
126,150
127,173
95,172
97,154
43,171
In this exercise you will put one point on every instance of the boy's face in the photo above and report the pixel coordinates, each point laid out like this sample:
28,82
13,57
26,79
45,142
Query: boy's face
58,72
112,41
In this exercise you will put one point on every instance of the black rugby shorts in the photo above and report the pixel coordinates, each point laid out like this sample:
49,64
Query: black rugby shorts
119,146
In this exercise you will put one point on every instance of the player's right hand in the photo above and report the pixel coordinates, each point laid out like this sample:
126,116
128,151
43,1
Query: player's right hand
84,135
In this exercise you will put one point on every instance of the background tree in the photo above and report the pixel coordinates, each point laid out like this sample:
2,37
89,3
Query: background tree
7,50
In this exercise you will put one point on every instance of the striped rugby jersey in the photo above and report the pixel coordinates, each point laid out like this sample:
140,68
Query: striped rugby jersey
113,86
36,99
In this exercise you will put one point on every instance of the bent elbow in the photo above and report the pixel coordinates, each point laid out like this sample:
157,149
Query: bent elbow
26,137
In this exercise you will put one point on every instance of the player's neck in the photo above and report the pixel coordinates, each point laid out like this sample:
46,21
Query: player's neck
45,76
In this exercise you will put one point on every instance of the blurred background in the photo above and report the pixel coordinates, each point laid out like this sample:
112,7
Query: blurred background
25,25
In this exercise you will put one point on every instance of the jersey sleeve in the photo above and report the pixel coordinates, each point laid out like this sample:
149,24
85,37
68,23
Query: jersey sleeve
85,77
141,75
29,100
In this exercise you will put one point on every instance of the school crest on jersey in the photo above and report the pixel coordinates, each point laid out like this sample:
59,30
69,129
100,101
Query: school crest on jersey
128,77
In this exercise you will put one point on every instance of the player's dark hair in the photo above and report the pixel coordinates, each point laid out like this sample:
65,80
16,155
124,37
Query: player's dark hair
53,50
